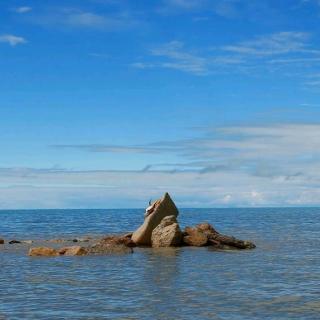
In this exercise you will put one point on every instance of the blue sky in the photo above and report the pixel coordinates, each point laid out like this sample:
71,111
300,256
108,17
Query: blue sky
107,103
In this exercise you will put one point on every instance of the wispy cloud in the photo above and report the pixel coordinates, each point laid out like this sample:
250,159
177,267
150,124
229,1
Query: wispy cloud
12,40
269,52
228,166
184,4
286,149
176,56
313,80
275,44
224,8
22,9
76,18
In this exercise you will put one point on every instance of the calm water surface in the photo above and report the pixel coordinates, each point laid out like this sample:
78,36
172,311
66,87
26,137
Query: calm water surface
278,280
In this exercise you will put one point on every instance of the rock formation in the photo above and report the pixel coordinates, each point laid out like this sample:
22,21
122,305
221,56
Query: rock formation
1,241
161,208
167,233
108,245
159,229
204,234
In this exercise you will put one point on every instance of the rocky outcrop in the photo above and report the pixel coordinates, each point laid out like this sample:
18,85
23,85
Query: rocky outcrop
159,229
204,234
167,233
108,245
155,213
43,252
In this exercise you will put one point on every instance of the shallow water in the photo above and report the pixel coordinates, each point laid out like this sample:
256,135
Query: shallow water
278,280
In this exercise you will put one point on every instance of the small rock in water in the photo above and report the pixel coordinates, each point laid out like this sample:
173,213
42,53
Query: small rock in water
14,241
73,251
27,241
56,240
43,252
80,240
167,233
1,241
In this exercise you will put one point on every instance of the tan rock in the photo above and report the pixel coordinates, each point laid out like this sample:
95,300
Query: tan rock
109,246
73,251
43,252
195,237
167,233
164,207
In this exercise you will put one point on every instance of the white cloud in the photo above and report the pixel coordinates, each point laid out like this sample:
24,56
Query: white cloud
274,44
224,8
12,40
86,19
175,56
230,166
75,18
67,189
184,4
266,53
23,9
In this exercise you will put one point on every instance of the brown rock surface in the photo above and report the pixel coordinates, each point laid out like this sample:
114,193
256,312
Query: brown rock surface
164,207
125,239
214,238
109,245
167,233
73,251
43,252
195,237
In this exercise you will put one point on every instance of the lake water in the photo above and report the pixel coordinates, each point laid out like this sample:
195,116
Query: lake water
280,279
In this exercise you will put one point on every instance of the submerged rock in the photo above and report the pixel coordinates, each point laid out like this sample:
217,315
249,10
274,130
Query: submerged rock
56,240
109,247
167,233
27,241
155,213
14,241
73,251
43,252
81,240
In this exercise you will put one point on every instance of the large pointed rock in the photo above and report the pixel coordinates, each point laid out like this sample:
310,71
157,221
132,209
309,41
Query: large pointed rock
155,213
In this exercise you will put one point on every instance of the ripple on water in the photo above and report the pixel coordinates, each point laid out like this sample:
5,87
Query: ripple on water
278,280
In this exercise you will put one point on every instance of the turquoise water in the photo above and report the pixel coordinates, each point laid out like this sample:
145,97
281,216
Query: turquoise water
280,279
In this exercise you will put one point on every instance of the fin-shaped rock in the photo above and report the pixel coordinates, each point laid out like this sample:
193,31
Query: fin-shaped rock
162,208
